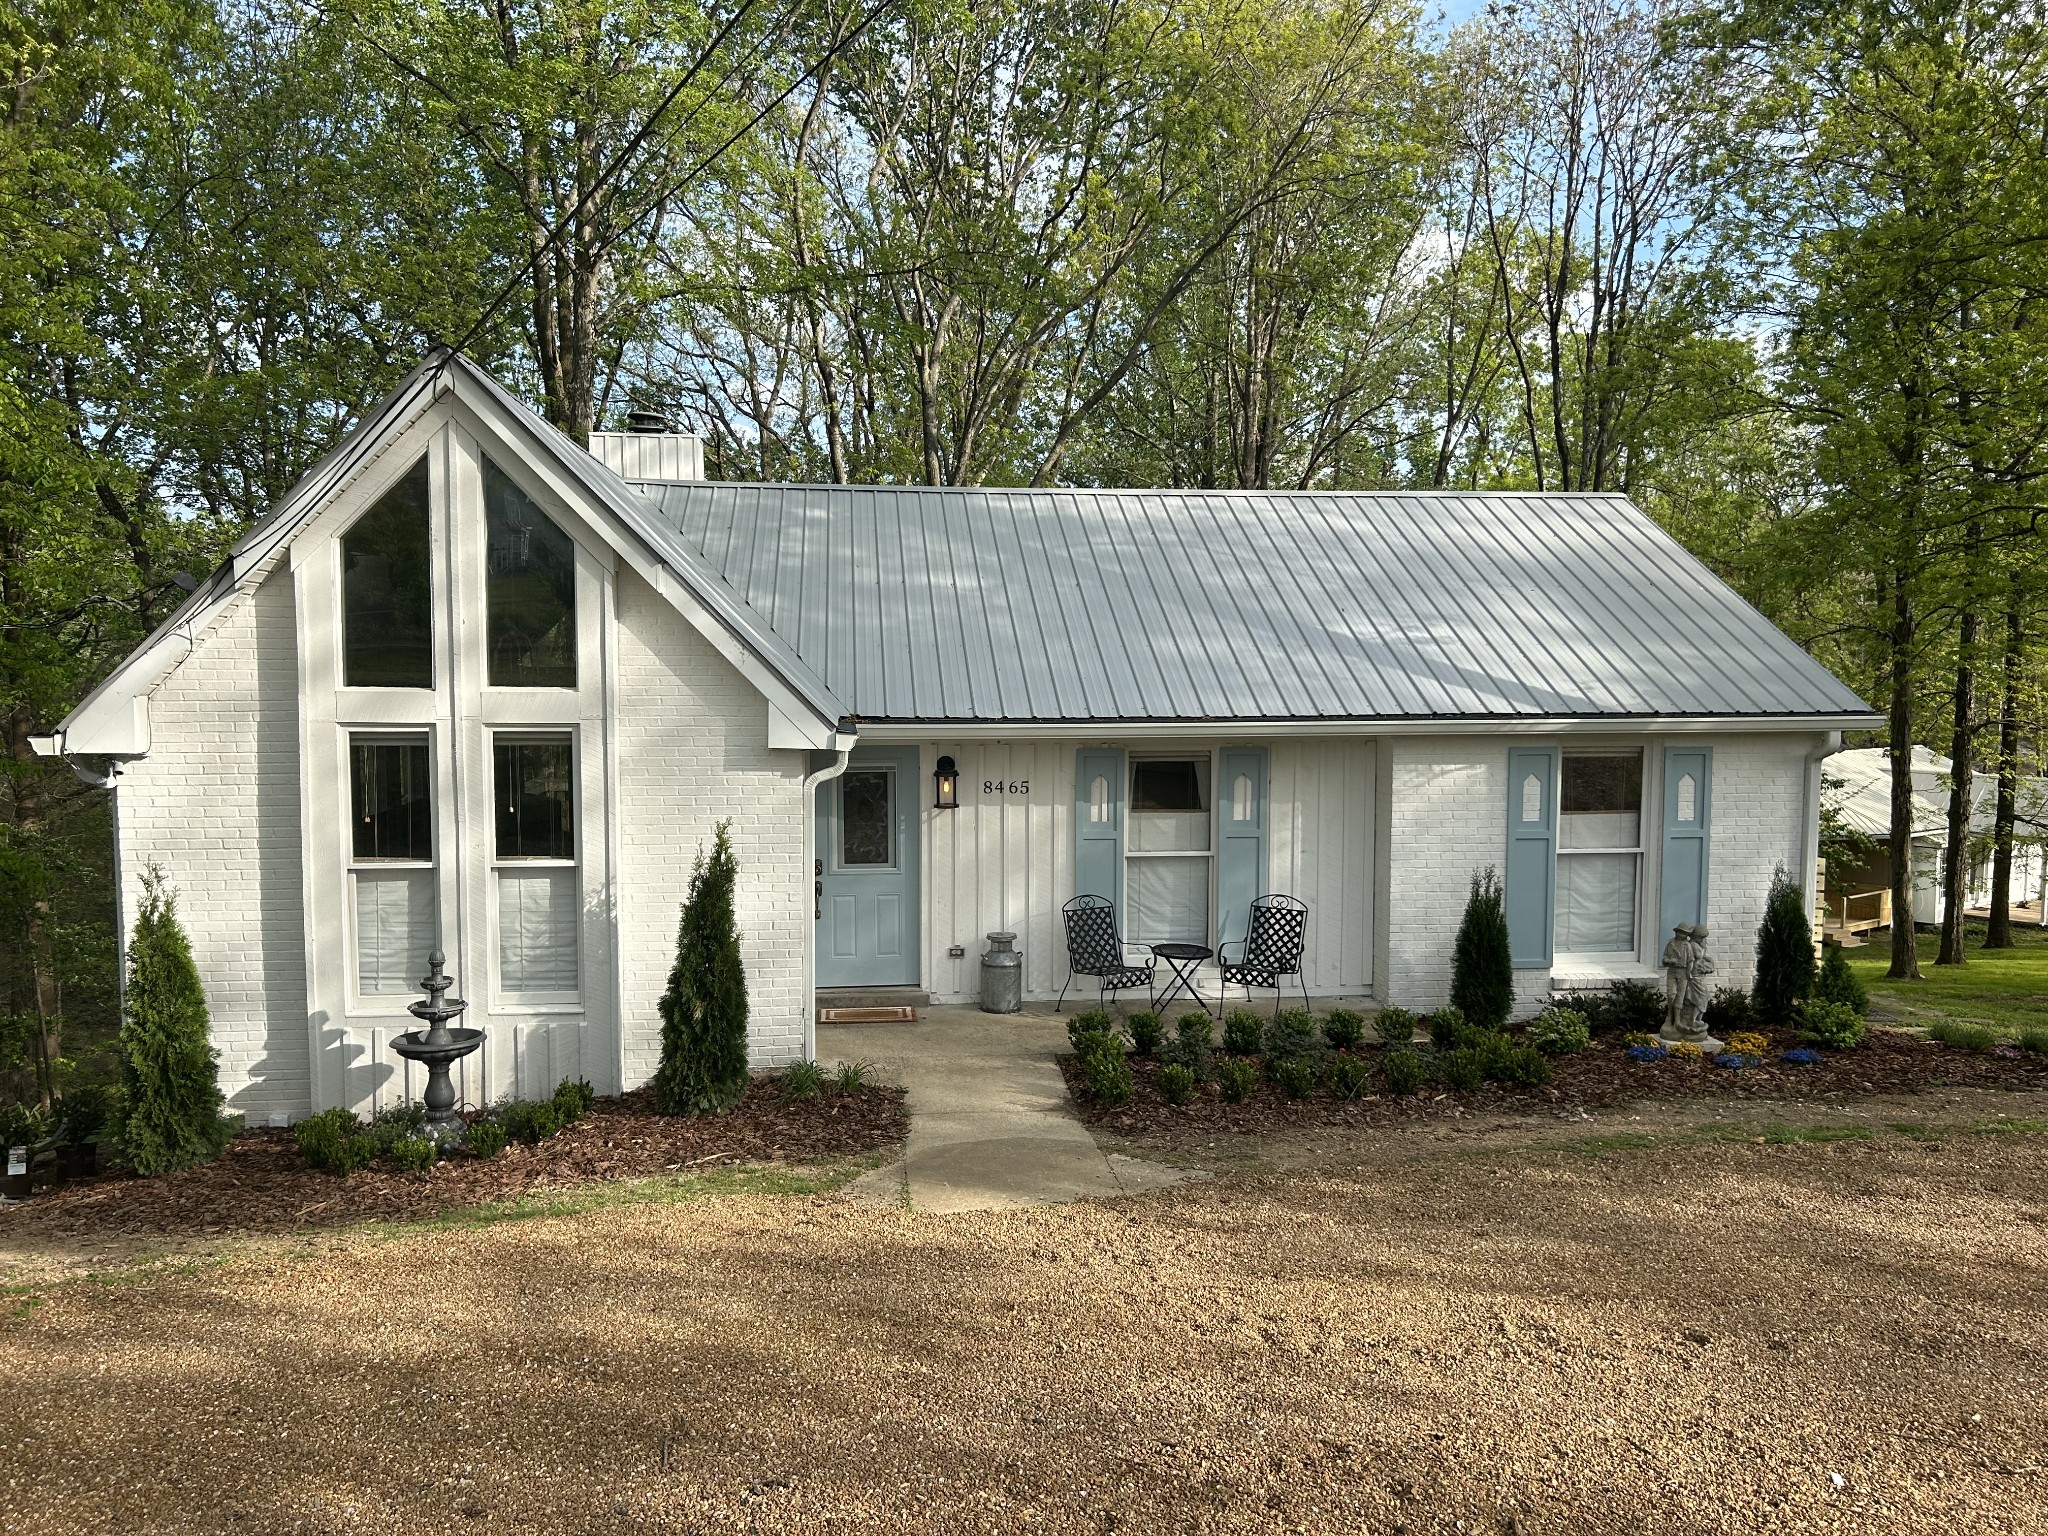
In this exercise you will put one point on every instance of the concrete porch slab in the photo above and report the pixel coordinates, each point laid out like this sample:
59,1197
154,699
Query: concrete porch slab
990,1125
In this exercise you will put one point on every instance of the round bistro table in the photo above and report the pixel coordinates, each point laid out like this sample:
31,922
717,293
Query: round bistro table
1183,960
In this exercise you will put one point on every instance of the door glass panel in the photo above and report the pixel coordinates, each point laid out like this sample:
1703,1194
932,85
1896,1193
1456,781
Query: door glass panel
865,821
387,596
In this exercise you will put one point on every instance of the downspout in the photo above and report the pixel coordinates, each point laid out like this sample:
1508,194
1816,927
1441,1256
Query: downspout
811,783
1809,863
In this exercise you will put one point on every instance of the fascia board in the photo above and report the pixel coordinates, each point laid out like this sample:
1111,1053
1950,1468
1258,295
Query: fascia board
983,730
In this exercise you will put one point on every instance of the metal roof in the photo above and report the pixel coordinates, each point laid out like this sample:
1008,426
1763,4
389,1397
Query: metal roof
998,606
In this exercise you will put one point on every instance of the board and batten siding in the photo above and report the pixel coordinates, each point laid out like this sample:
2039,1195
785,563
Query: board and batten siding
1004,861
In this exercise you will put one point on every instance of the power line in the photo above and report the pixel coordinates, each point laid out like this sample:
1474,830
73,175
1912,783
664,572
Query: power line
640,136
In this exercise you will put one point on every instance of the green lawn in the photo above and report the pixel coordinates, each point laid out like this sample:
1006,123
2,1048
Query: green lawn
2005,988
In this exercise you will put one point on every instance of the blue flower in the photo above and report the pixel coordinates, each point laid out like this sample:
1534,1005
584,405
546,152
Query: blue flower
1647,1053
1802,1057
1735,1061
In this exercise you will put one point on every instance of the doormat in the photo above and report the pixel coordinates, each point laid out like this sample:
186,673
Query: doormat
867,1015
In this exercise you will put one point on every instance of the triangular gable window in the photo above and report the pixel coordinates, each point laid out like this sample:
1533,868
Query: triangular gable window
529,589
388,591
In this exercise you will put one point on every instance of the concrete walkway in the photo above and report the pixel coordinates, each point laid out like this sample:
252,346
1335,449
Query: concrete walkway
990,1124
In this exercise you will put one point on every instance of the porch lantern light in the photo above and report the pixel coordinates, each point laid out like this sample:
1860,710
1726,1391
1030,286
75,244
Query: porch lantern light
946,786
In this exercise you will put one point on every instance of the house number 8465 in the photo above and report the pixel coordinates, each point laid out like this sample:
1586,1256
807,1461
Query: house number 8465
1006,786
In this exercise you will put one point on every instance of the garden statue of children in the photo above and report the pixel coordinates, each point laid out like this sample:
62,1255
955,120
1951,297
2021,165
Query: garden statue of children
1699,991
1677,972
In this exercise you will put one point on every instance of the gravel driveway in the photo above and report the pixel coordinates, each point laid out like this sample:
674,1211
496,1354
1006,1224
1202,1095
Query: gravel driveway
1839,1337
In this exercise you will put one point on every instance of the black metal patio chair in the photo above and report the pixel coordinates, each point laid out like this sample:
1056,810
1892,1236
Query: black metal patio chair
1095,948
1274,939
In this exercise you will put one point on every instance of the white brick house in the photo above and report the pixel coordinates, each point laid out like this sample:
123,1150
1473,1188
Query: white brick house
469,686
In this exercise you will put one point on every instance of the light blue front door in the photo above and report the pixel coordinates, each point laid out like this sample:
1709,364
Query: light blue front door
867,871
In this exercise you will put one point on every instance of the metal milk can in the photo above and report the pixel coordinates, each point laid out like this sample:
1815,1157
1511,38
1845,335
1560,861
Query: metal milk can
1002,975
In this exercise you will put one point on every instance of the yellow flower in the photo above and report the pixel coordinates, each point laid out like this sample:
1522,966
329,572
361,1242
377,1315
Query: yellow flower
1685,1050
1747,1042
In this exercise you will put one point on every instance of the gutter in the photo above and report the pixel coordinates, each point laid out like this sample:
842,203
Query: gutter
1809,854
847,730
1410,725
98,778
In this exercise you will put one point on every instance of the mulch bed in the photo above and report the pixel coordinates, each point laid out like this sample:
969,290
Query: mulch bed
1888,1062
259,1186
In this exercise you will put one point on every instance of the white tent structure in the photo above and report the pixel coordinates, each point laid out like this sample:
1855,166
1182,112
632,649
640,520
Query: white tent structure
1857,789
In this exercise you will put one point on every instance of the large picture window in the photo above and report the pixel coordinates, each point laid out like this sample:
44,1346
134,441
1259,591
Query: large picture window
1169,850
529,590
391,858
1599,852
539,893
387,591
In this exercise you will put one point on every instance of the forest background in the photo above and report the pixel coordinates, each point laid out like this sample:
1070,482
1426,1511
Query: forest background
1778,271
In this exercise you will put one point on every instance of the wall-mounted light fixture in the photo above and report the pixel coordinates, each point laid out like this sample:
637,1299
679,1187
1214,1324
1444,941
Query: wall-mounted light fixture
946,785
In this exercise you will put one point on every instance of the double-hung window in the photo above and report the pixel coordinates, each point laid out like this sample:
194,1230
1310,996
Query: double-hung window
1599,852
539,892
391,860
1170,851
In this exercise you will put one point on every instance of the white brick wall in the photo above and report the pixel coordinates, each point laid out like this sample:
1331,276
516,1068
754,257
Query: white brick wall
216,804
693,751
1447,817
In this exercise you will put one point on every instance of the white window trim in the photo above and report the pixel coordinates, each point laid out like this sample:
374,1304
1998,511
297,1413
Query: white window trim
1564,959
1131,761
384,1004
503,998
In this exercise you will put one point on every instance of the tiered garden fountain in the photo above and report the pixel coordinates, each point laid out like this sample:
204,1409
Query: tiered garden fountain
440,1048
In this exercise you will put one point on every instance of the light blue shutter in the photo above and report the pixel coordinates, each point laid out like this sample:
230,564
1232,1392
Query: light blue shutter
1241,851
1531,878
1099,824
1688,778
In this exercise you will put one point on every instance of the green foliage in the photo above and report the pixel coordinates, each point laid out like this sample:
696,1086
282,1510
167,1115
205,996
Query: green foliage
1834,1026
1403,1070
1236,1077
1523,1066
1559,1032
1191,1045
1294,1076
1083,1028
852,1076
1176,1083
332,1141
1244,1032
1344,1029
1294,1036
85,1112
23,1125
1394,1026
1447,1028
1839,984
391,1125
1784,955
573,1098
802,1080
2034,1039
1965,1037
1463,1067
531,1121
1146,1032
414,1154
486,1138
704,1011
174,1103
1347,1075
1106,1070
1482,968
1729,1012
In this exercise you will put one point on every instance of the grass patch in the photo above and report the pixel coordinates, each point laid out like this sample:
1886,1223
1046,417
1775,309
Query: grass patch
2001,989
1795,1135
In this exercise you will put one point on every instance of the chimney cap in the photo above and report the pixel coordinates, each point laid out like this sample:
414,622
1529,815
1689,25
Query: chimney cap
647,421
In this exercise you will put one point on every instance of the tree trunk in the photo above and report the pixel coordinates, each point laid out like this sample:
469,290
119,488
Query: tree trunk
1955,874
30,808
1998,930
1905,953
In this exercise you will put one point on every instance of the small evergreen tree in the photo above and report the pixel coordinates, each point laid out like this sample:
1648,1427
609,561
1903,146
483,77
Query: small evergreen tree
1482,969
1784,954
704,1012
173,1105
1838,984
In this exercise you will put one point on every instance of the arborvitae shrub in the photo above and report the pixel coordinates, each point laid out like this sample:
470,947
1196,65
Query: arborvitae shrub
1784,955
704,1012
1482,968
169,1067
1836,983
